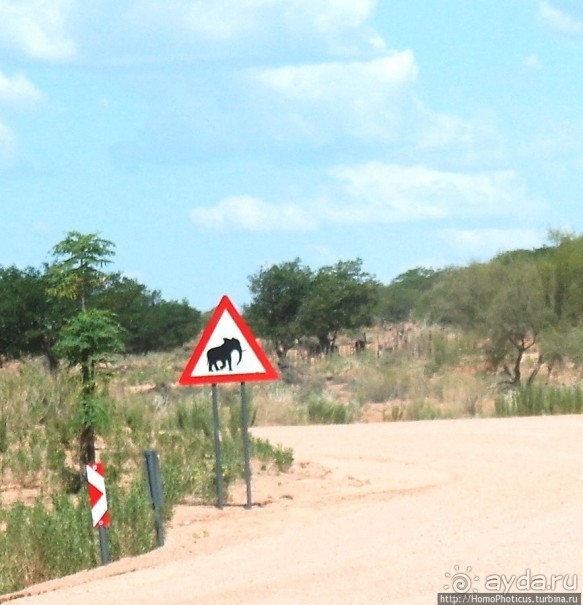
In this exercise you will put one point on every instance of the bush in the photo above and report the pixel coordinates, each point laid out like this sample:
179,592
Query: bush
321,411
267,453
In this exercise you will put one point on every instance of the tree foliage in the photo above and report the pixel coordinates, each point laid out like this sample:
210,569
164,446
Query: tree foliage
35,304
520,301
91,335
398,300
341,297
150,323
23,312
278,294
77,270
73,309
290,302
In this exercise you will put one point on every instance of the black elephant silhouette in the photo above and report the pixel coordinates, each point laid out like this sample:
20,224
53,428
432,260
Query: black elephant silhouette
222,354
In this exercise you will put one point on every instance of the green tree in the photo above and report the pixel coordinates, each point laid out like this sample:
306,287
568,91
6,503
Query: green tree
401,297
278,294
504,301
562,271
461,296
77,269
341,297
150,323
517,316
23,311
86,341
89,337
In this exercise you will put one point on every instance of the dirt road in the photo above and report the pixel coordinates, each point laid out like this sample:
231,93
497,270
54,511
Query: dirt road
371,514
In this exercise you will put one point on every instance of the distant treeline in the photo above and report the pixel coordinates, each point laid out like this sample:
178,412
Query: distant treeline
32,313
523,300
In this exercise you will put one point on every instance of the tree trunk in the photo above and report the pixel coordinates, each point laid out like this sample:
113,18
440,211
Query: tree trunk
517,375
87,445
535,371
87,435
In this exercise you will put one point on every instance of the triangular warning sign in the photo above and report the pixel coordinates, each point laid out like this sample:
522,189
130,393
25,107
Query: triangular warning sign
227,352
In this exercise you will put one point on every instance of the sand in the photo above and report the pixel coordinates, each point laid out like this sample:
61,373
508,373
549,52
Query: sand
370,514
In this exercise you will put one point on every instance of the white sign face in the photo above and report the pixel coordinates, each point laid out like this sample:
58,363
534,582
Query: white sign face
227,352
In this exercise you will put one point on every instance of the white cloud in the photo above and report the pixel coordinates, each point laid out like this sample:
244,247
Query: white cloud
18,91
391,193
37,28
559,20
365,100
371,102
376,193
251,214
138,31
333,24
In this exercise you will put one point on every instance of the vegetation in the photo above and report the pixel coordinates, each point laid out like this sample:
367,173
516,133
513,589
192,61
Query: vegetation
36,303
88,337
292,303
41,500
521,301
491,339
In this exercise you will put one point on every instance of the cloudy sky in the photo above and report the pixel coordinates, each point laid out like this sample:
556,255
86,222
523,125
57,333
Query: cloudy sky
210,138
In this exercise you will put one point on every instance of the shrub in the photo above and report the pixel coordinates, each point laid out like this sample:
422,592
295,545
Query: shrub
267,453
321,411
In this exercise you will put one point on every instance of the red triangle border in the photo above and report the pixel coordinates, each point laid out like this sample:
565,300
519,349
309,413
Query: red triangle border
226,306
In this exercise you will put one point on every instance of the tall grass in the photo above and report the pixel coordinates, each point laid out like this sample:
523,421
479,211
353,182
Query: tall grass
540,400
49,533
322,411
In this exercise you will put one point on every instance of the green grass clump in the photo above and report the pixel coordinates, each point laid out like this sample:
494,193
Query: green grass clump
540,400
321,411
281,457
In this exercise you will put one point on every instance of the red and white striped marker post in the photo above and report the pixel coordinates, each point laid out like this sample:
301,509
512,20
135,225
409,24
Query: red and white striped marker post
98,503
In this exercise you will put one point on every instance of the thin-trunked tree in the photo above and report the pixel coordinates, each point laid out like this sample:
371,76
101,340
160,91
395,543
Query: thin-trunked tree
87,339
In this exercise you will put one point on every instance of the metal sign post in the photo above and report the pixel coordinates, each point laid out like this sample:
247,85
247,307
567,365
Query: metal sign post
246,445
218,456
156,494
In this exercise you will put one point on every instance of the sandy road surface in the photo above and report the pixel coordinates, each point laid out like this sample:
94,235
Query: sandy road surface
370,514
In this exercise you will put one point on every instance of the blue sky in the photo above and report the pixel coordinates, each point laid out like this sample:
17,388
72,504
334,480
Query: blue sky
210,138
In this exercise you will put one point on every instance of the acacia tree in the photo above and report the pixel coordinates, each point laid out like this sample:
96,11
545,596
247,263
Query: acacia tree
341,297
504,301
517,316
291,301
278,294
91,335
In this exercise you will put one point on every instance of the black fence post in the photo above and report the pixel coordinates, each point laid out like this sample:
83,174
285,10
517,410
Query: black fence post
156,494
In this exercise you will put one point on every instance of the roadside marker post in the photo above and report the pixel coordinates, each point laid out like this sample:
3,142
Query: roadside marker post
98,503
156,494
228,352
